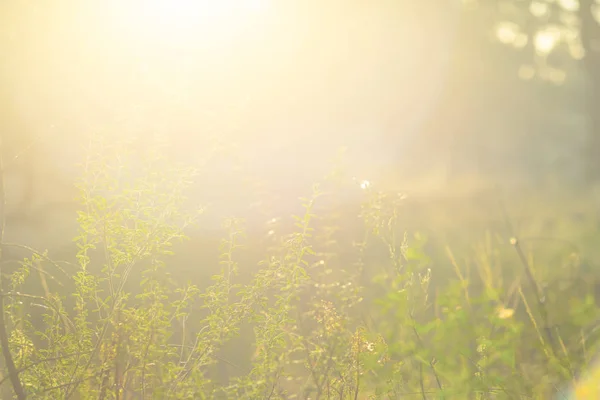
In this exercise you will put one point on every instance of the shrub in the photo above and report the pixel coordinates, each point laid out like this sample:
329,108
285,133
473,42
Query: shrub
399,321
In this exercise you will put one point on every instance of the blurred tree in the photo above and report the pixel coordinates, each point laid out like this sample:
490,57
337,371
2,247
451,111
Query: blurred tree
554,40
589,11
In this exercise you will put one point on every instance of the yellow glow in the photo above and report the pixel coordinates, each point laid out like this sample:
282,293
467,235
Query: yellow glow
507,32
190,20
546,40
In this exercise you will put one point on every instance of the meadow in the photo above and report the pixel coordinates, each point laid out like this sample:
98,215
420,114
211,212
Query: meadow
475,294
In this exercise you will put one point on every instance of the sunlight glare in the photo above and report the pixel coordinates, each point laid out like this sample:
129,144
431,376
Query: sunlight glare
507,32
546,40
185,20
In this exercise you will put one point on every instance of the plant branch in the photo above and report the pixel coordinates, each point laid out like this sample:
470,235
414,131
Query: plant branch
4,342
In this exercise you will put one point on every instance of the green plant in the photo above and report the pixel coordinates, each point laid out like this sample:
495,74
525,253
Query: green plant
336,310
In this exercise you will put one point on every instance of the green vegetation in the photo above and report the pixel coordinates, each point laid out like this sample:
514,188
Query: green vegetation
337,309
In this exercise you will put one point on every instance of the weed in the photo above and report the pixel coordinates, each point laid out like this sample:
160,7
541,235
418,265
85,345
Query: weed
403,319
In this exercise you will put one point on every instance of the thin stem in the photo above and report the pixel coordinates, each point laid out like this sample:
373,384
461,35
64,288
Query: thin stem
8,358
539,296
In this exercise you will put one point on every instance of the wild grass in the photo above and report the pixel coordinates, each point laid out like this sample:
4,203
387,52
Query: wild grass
347,302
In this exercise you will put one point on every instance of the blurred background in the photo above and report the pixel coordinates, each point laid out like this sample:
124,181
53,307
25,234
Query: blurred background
440,98
434,91
426,93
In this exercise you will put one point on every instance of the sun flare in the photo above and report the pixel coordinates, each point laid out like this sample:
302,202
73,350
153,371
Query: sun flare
185,20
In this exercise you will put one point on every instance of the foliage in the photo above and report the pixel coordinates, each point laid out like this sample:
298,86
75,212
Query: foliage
397,322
